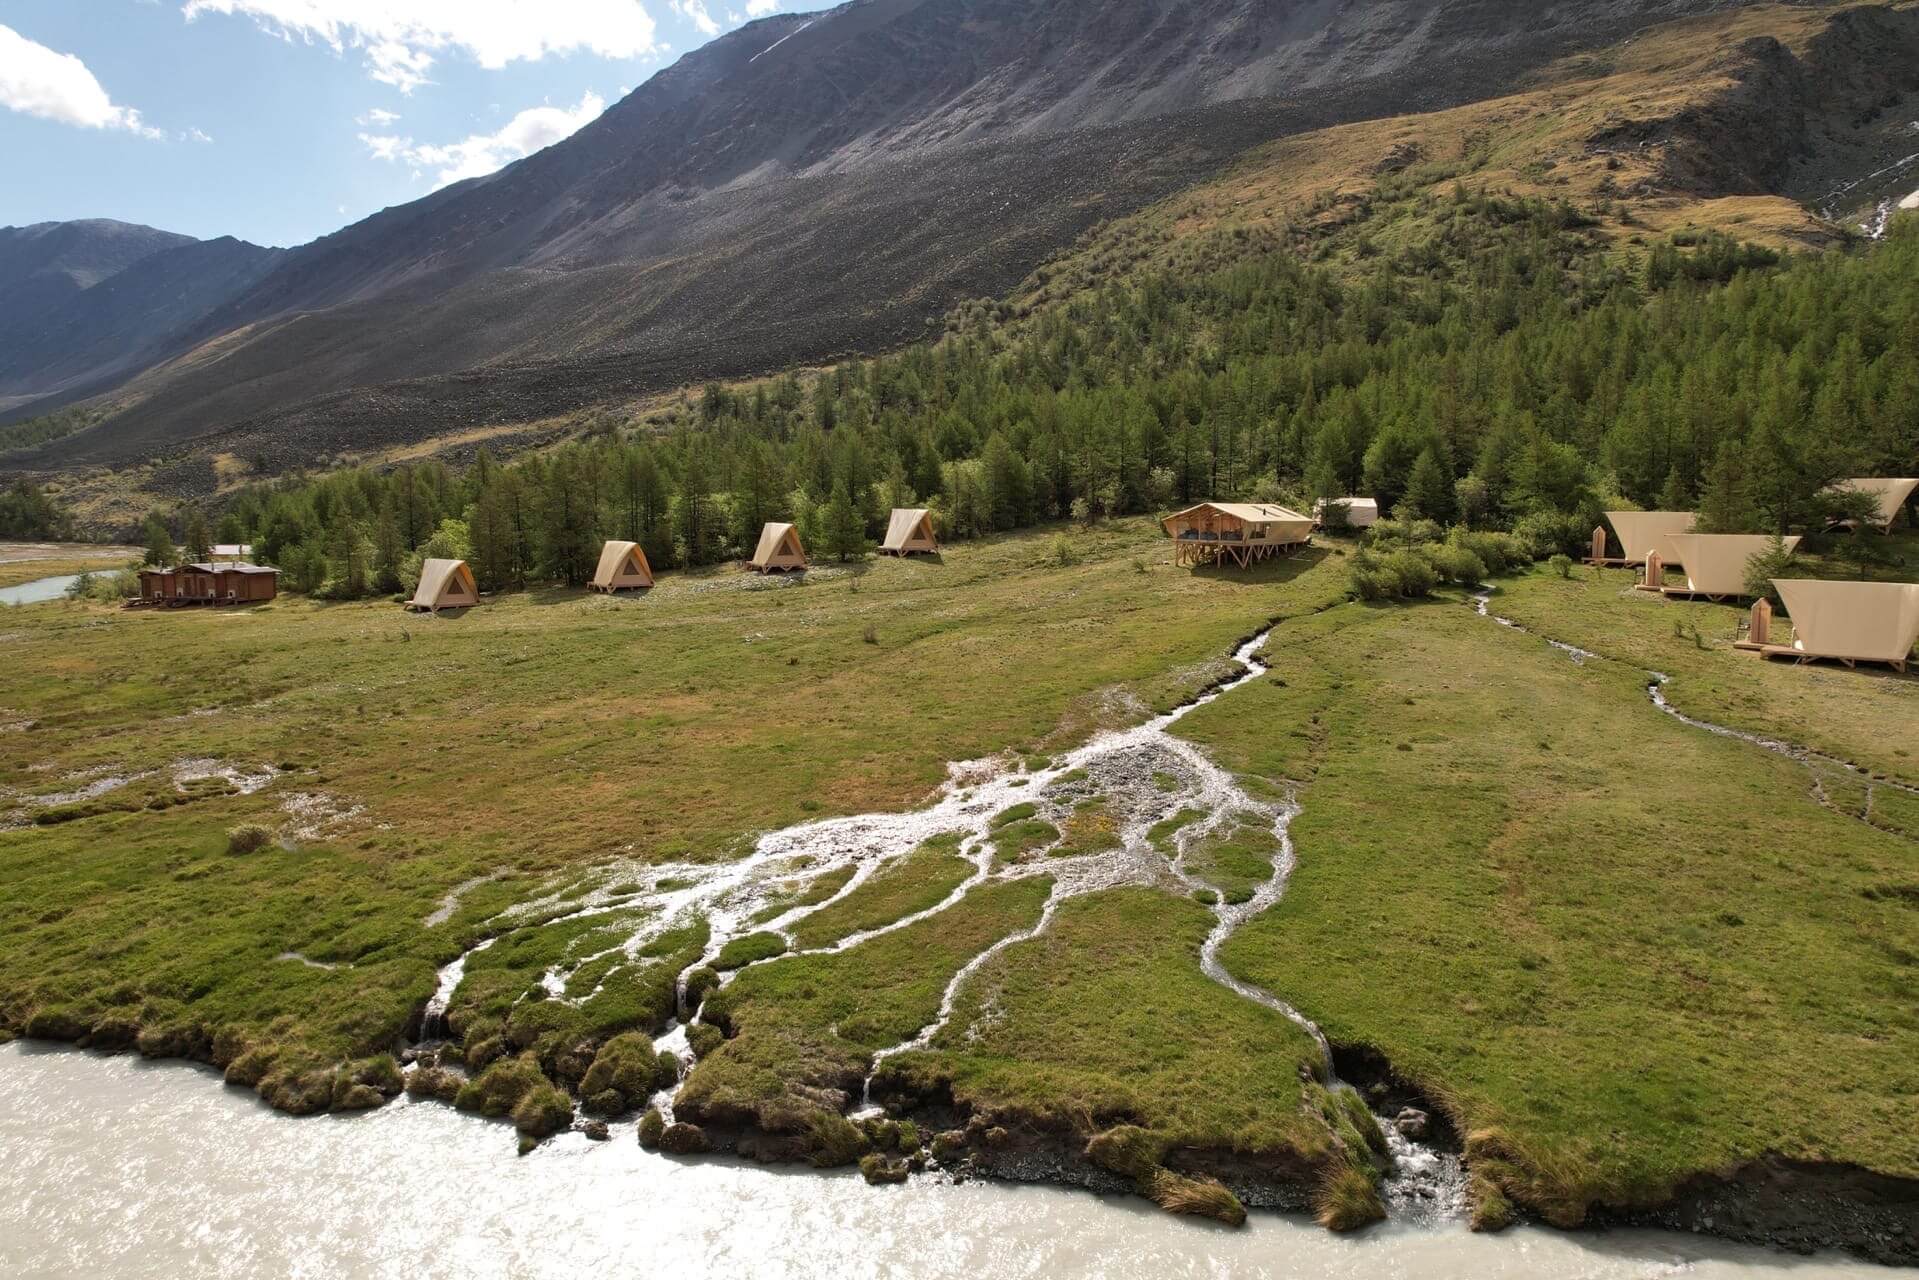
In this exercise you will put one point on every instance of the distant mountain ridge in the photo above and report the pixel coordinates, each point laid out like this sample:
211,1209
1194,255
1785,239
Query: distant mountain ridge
804,187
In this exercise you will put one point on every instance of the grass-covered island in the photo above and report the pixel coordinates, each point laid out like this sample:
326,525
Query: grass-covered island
1629,968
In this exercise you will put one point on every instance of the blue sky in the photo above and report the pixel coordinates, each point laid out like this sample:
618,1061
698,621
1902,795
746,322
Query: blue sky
280,120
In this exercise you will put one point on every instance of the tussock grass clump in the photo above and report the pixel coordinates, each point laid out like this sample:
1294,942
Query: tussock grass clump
628,1068
1127,1150
1015,813
684,1139
751,949
1201,1197
499,1089
882,1170
543,1111
1347,1199
248,837
434,1082
703,1038
1015,840
652,1126
1491,1210
698,983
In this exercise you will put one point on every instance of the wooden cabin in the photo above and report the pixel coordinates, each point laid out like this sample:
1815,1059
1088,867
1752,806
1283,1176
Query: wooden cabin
909,532
623,567
444,584
1240,533
779,551
211,584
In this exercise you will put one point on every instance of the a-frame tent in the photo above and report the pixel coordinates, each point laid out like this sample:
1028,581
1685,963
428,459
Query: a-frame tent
909,531
1715,563
1849,621
1891,495
623,567
779,550
1644,533
445,584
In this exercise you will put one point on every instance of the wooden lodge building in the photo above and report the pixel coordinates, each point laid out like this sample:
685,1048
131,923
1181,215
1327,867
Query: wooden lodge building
1237,533
225,583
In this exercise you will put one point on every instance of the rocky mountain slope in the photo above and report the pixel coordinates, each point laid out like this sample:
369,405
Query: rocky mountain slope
803,187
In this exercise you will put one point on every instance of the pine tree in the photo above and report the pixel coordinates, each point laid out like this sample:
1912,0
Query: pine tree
1726,505
845,538
199,545
1429,490
160,550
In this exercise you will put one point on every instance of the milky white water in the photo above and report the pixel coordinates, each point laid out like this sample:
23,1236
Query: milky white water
116,1167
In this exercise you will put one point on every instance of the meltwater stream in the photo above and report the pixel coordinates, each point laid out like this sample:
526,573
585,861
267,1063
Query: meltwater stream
1136,778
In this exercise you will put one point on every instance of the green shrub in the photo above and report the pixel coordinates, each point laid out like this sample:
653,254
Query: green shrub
1562,564
1456,564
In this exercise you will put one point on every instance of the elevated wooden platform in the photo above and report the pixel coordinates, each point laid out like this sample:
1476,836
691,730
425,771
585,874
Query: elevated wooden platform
1802,657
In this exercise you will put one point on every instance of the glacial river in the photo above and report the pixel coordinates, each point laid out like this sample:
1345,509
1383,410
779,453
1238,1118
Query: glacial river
38,591
116,1167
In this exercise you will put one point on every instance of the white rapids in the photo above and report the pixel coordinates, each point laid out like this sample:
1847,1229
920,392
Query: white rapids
1142,775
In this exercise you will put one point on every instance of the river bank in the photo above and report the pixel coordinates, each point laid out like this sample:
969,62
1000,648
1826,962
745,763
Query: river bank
126,1168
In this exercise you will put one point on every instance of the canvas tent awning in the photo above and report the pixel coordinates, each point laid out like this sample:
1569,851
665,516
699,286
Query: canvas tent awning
1892,494
1361,513
445,584
1641,533
1715,563
779,549
910,529
623,567
1240,521
1852,621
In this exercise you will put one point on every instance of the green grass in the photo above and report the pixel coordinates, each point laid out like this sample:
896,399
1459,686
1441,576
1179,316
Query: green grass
1105,1019
916,883
1015,840
1161,834
1090,828
1864,716
808,1024
448,749
751,949
1619,949
804,893
1236,859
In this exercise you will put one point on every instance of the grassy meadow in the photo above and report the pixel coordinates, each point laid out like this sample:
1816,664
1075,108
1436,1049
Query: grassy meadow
1618,950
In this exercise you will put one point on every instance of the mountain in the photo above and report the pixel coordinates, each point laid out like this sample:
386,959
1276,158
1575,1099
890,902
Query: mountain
124,320
805,187
48,263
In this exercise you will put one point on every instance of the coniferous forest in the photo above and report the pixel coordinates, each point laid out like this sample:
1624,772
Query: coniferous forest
1504,369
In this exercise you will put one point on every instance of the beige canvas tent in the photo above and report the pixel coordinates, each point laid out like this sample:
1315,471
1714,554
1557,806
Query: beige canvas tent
1715,563
1850,621
1361,513
1240,532
909,531
1892,495
1641,533
445,584
779,550
623,567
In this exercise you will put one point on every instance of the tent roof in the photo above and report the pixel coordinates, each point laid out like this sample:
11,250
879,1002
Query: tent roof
1863,621
436,575
613,558
1641,532
771,537
1892,493
903,524
1251,512
1715,563
1351,504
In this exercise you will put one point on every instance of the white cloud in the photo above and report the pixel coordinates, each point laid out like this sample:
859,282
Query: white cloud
760,8
57,86
377,116
401,38
694,11
195,135
482,153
